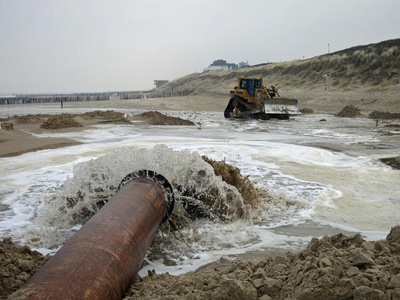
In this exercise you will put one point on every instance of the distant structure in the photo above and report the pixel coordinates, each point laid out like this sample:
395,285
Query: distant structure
50,98
243,64
160,83
221,64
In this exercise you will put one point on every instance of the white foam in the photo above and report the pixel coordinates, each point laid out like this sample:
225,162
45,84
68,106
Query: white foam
308,183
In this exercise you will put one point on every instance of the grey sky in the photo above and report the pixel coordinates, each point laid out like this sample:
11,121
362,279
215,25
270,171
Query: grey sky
78,45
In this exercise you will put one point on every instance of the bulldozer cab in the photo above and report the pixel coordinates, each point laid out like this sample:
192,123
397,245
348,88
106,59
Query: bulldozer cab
250,85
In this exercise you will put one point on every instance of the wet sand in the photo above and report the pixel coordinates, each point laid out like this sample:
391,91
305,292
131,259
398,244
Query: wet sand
18,141
22,139
336,267
258,279
185,103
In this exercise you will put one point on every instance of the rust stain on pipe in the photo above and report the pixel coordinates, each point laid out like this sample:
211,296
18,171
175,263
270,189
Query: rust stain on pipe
102,259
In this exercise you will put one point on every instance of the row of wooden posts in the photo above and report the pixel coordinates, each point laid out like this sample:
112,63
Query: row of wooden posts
126,96
90,97
50,99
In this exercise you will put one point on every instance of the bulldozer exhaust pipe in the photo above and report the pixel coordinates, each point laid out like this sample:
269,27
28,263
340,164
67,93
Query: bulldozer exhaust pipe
102,259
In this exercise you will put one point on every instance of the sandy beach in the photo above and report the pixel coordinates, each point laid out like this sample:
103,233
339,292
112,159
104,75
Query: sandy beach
22,138
334,267
157,151
19,141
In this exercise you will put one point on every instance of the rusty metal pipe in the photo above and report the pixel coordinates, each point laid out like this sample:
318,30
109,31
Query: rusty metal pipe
101,260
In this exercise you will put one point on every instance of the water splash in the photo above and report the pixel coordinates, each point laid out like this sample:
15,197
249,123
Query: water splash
195,186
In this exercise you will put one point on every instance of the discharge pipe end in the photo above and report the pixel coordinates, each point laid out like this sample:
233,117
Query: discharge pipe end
158,179
100,261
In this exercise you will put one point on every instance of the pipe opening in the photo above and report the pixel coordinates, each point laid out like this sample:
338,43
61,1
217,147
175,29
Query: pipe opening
160,180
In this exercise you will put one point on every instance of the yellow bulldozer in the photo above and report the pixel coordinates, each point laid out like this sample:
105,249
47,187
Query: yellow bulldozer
252,99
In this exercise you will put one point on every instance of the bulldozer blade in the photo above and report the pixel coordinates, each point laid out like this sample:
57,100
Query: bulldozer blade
282,106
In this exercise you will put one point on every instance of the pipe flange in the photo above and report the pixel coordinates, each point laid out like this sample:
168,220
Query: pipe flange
160,180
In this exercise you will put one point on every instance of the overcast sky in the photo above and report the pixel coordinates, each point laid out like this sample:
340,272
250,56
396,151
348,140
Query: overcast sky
58,46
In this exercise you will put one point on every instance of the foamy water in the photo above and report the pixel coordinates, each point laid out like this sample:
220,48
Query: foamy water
316,191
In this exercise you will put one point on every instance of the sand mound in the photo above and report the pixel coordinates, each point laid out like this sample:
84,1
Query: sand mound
349,111
337,267
383,115
7,126
60,121
30,118
306,110
106,115
392,127
17,264
66,120
392,161
232,176
157,118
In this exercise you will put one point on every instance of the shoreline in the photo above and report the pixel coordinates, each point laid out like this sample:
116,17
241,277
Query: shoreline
317,101
22,140
20,133
183,103
240,277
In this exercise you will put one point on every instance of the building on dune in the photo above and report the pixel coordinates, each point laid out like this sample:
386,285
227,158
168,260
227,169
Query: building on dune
160,83
220,64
